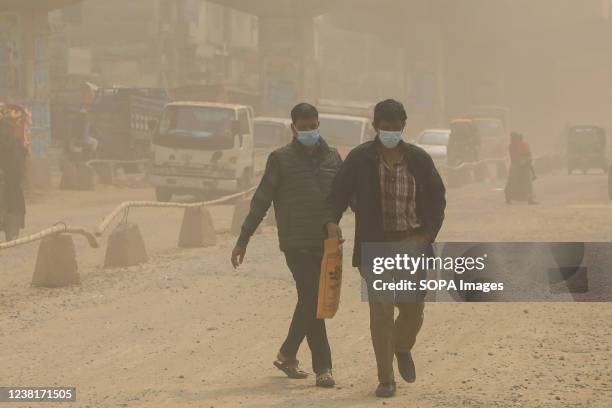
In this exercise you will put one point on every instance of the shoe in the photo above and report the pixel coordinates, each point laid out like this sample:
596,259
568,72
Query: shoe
291,368
385,390
325,380
406,366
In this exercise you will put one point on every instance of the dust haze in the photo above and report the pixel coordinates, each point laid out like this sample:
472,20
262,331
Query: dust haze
134,134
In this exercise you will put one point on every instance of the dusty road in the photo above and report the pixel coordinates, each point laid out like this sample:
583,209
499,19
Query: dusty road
186,330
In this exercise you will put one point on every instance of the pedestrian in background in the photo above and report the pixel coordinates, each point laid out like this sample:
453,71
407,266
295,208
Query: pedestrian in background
519,186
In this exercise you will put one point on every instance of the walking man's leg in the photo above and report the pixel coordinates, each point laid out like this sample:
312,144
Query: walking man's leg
316,333
407,326
287,360
381,329
305,268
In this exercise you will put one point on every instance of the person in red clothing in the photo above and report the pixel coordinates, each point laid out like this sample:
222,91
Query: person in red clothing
519,186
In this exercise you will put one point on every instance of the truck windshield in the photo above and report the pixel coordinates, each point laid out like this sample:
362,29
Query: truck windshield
197,127
340,131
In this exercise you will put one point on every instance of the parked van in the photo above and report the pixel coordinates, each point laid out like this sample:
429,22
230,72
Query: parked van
202,147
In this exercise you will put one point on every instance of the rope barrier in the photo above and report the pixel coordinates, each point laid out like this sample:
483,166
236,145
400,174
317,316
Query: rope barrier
56,229
125,206
137,204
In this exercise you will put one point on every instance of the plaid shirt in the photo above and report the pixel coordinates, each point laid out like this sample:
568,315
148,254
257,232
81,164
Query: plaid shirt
398,193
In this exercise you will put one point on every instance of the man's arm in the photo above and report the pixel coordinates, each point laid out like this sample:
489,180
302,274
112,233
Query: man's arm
331,227
437,204
260,203
342,189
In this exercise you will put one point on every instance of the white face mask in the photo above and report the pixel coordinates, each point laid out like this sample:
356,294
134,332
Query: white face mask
390,139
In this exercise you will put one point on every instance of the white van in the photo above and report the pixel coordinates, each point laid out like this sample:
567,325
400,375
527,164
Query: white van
202,147
345,132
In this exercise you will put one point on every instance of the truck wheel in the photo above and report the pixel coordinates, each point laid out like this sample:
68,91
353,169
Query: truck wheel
163,195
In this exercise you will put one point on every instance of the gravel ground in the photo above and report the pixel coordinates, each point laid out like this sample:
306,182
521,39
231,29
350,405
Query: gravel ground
186,330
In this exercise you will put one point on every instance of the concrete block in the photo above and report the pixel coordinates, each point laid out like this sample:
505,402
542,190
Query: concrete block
197,229
241,210
125,247
56,264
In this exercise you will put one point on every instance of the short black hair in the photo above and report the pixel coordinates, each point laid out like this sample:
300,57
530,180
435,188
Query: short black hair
303,111
389,110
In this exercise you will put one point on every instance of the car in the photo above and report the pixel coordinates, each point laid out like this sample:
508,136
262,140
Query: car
434,142
344,132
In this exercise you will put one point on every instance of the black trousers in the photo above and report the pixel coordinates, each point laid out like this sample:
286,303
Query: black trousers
306,267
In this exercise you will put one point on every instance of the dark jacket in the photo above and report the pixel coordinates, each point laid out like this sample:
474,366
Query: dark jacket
298,184
358,180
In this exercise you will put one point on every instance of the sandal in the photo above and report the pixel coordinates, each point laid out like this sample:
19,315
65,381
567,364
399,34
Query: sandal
291,369
325,380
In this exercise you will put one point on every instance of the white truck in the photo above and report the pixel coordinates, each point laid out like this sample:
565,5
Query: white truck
201,148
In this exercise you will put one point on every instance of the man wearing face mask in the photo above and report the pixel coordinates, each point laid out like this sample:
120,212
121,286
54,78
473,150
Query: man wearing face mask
297,180
398,196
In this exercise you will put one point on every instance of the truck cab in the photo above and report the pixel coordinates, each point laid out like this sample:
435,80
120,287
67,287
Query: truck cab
201,148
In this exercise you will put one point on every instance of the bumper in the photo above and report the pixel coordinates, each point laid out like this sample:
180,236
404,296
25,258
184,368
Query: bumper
191,184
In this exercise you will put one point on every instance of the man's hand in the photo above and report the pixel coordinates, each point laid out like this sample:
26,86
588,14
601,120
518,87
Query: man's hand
238,256
334,231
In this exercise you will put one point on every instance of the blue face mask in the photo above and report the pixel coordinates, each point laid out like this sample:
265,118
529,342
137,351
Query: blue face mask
308,137
390,139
